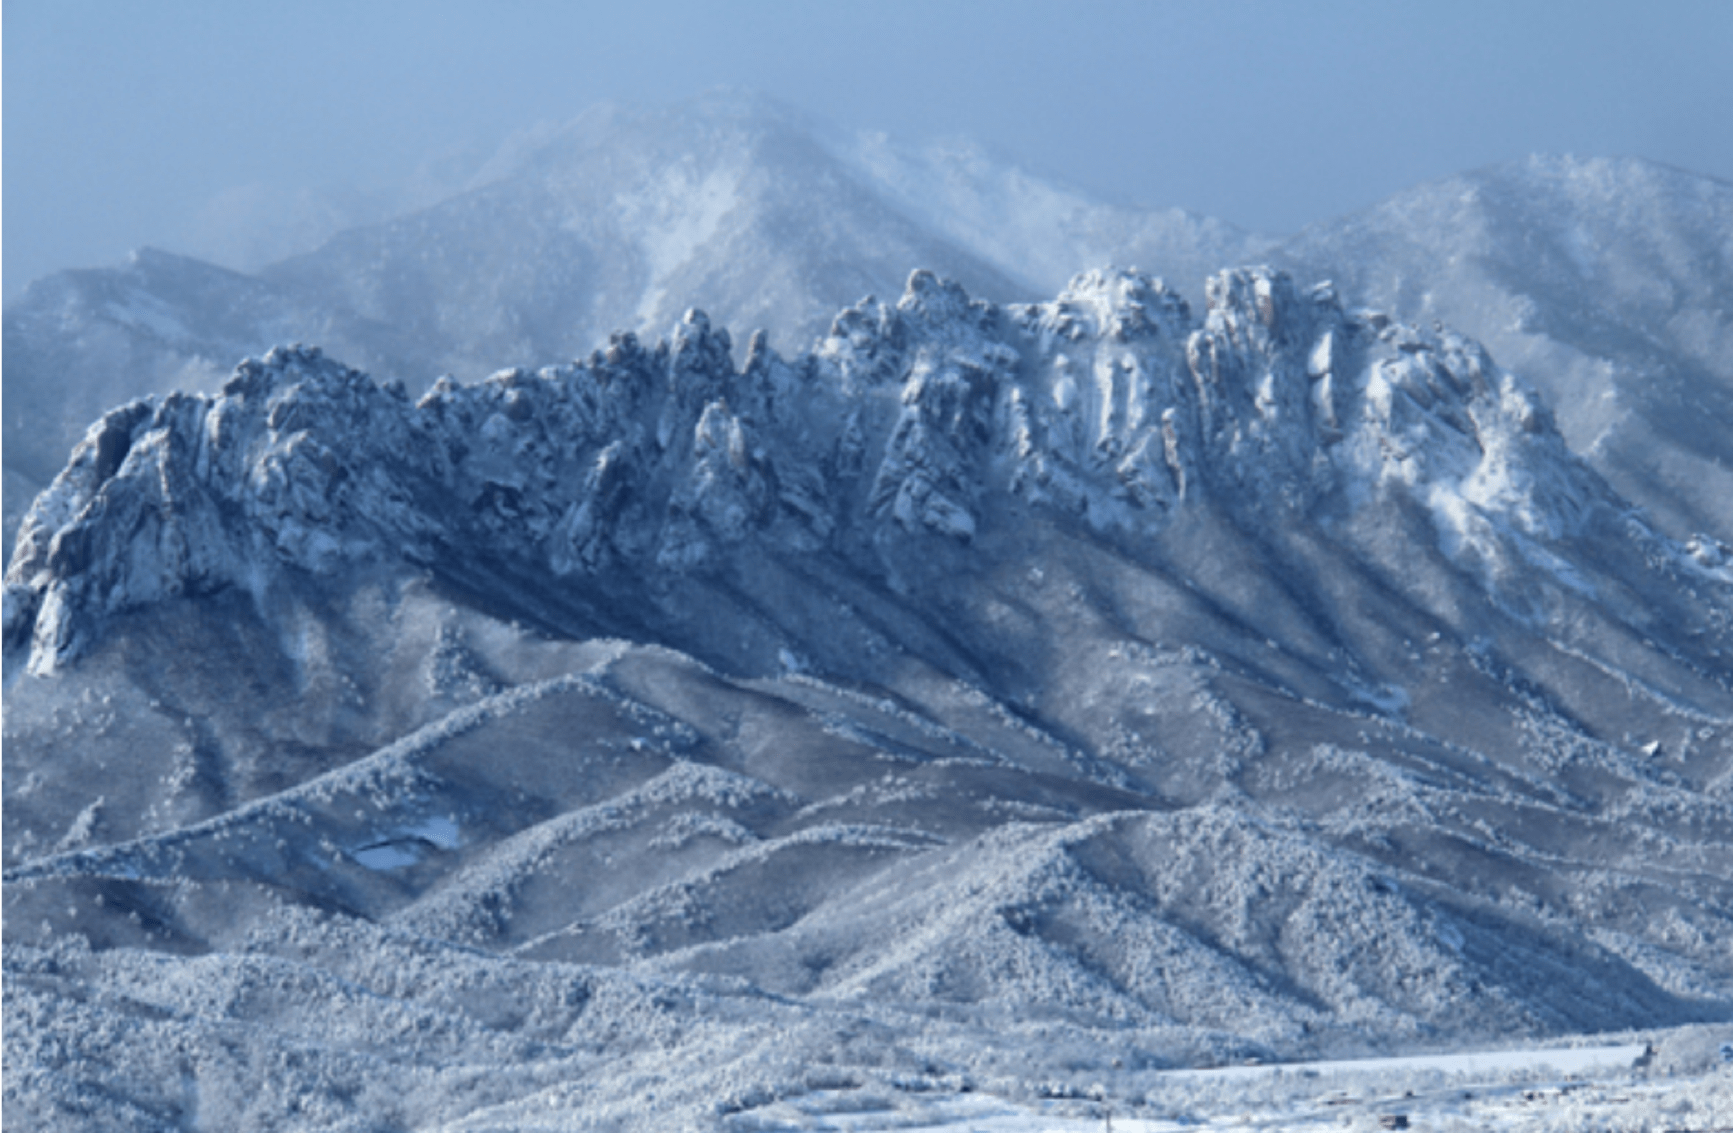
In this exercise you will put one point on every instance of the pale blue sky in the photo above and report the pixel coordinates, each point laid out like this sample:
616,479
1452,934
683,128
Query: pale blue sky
124,120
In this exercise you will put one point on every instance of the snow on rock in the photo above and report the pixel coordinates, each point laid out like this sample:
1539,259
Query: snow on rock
1596,278
1111,402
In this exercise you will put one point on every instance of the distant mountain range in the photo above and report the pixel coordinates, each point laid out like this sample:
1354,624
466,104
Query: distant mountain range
1603,282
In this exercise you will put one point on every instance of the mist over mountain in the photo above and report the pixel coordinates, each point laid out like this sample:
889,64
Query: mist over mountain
1041,233
622,219
995,697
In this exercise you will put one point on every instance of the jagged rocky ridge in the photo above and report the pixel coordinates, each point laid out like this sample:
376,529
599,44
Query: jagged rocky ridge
1108,407
1106,680
1596,279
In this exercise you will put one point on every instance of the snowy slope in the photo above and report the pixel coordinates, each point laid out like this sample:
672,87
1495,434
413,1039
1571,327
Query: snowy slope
994,696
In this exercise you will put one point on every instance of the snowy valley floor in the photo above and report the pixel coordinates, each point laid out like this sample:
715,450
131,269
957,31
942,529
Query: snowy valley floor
1685,1086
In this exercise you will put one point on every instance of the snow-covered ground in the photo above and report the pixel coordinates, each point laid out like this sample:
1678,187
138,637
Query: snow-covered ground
1578,1060
1585,1088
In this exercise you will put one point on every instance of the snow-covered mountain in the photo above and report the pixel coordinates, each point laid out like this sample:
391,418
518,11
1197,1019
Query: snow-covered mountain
1002,697
1605,282
618,220
1601,281
81,342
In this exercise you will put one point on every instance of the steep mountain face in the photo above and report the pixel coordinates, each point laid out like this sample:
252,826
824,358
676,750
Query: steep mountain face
1601,281
992,697
79,343
1604,281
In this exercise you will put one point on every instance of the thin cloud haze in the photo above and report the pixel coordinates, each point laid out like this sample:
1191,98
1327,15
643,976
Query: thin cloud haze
183,124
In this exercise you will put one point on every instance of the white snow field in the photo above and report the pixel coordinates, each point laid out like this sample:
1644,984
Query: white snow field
1559,1088
994,703
1573,1061
1494,1090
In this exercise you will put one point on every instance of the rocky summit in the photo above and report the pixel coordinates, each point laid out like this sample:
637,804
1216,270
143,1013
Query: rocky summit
994,697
